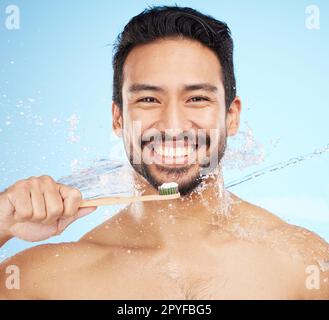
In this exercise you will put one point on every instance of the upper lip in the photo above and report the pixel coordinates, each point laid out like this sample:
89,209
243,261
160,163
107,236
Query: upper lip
173,144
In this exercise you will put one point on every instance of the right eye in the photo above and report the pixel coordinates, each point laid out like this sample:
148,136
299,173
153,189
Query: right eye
147,100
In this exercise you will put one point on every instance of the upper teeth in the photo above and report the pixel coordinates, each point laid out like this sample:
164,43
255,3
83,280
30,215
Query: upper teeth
174,152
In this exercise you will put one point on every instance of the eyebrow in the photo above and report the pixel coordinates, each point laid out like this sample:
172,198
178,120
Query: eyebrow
200,86
144,87
137,87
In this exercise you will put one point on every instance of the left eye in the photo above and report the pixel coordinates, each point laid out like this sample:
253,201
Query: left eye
197,99
147,99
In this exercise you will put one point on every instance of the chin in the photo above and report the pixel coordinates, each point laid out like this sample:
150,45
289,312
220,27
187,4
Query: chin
187,176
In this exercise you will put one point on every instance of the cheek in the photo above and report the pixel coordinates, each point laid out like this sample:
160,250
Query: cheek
131,129
141,118
134,125
211,118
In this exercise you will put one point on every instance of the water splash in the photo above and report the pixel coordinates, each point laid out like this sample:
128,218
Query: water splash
243,150
104,178
277,166
73,125
108,177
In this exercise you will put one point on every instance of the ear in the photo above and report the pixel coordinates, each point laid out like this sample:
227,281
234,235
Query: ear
233,117
117,122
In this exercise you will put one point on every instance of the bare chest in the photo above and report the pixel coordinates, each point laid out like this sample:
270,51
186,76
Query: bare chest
169,279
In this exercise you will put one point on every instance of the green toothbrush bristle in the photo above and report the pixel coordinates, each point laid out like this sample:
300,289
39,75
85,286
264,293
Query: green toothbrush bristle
168,188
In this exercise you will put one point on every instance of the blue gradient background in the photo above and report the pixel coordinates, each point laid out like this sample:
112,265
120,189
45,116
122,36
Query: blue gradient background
59,63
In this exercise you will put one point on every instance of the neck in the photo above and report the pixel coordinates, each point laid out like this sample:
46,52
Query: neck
204,208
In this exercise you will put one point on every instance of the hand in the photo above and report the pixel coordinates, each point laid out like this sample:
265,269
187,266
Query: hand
38,208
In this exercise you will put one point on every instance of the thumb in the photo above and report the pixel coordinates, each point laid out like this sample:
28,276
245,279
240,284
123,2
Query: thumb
83,212
64,223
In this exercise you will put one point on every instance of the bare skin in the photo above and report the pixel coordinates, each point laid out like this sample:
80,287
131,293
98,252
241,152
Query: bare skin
206,245
177,252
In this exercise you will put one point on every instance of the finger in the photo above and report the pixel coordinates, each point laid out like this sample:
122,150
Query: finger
19,195
72,199
84,211
38,203
63,224
54,203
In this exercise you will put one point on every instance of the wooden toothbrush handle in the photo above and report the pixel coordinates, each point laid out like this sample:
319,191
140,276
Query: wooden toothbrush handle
105,201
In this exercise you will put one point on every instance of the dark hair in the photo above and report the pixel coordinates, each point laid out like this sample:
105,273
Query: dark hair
160,22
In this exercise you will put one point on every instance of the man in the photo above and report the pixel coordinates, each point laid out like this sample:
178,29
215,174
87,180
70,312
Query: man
173,78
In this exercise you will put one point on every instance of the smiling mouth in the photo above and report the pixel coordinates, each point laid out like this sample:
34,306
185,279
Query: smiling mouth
177,155
174,152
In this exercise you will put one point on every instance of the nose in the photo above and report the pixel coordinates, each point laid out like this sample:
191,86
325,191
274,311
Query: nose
174,118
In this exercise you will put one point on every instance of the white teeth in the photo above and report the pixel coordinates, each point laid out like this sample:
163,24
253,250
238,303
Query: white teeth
174,152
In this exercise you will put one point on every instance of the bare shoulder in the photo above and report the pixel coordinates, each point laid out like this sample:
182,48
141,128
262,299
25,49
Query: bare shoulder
310,253
306,253
40,271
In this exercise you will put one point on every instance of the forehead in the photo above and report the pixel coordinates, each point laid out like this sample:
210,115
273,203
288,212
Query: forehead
170,63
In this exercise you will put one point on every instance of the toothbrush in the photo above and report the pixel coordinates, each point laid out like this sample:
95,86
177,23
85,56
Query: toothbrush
167,191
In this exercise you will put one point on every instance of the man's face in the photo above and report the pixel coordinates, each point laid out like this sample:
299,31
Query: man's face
173,114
